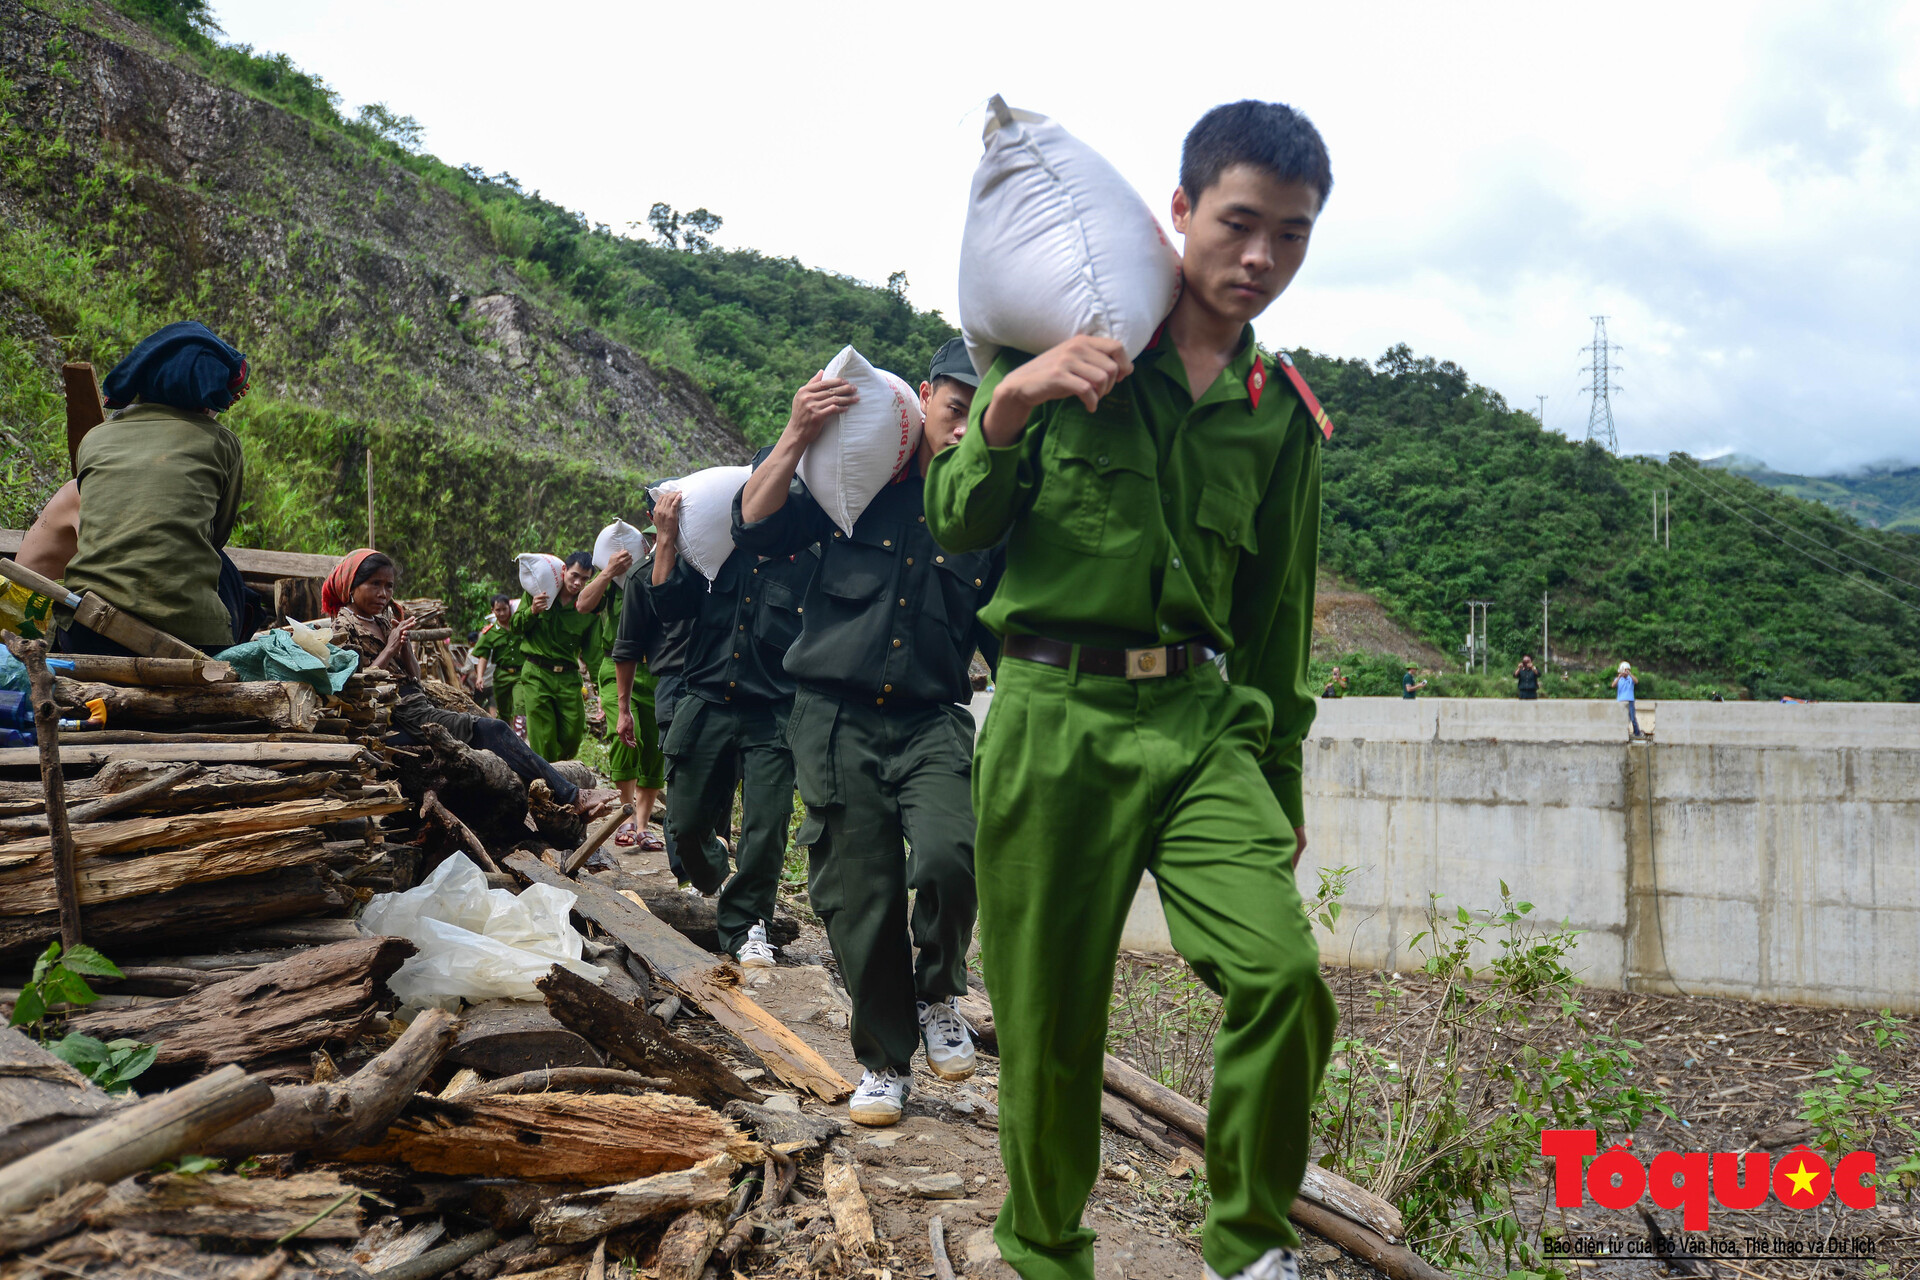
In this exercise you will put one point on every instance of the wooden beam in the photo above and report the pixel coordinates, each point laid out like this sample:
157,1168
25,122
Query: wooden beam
101,879
265,753
162,672
53,780
196,911
131,835
135,1138
283,704
85,409
699,975
586,1215
250,561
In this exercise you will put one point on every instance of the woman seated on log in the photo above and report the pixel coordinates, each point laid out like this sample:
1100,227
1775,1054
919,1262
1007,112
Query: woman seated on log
358,596
159,489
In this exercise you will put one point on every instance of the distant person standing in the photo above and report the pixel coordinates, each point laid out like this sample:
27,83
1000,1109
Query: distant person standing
1336,685
1407,685
1623,687
1528,678
498,652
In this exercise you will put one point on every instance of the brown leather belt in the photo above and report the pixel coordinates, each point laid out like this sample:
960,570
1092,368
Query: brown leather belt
1134,664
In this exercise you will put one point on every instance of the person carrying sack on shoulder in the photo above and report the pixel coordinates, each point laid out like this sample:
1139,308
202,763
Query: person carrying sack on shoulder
1158,514
882,741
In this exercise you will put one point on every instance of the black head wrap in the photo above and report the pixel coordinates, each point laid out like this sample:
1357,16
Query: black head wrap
183,365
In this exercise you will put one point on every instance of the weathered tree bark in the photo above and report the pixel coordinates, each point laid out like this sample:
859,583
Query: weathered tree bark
284,704
699,975
564,1079
292,1005
133,797
559,1137
103,879
343,1113
502,1037
160,1128
303,752
578,1218
1156,1136
46,729
687,1245
439,1261
852,1220
476,786
50,1219
1395,1261
134,834
631,1035
196,911
153,672
430,807
219,1204
42,1099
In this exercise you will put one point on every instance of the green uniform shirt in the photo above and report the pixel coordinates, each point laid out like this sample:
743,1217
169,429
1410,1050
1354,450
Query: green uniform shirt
159,492
606,630
890,618
500,646
1155,519
555,637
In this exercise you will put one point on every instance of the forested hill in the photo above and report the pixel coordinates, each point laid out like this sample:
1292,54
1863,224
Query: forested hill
1437,493
517,373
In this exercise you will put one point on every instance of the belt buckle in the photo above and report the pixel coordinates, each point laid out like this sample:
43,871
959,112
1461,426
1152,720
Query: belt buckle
1147,664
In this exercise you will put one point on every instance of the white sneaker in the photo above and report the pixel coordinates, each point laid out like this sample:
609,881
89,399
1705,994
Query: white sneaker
1274,1264
878,1100
686,887
949,1043
756,952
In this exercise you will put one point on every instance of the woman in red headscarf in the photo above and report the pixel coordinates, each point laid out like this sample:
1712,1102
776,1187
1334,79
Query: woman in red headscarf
358,596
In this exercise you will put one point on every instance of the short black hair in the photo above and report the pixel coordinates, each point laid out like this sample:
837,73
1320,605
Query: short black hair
503,598
584,559
1269,135
947,377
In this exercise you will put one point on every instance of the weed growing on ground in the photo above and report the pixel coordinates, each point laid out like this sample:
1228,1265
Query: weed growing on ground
61,978
1849,1110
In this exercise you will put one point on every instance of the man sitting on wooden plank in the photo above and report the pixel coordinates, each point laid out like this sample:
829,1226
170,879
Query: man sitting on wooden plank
162,478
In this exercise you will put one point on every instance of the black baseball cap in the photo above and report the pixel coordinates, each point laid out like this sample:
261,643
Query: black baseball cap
952,361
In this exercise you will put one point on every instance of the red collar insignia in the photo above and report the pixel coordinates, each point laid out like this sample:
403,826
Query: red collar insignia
1256,381
1306,396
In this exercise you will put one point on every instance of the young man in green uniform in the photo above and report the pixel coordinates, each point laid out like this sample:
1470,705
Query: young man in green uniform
638,777
554,637
882,742
1158,513
499,647
729,728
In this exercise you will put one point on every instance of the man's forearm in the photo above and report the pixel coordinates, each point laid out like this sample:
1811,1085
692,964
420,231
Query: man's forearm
594,592
766,488
622,683
665,552
1005,418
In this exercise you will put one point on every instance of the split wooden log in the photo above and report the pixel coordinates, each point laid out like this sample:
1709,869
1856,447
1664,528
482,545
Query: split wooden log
686,1245
42,1099
293,1005
629,1034
284,754
578,1218
284,704
103,879
595,838
566,1080
852,1220
558,1137
430,807
60,846
502,1037
228,785
698,975
343,1113
151,672
50,1219
134,834
195,911
220,1204
937,1242
436,1262
693,917
134,797
135,1138
162,737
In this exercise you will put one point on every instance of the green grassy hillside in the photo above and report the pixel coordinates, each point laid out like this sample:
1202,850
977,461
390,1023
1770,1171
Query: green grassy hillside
1878,497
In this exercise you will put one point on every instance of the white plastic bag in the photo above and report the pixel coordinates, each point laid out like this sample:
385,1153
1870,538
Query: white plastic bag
540,573
858,452
619,536
1056,244
476,943
706,514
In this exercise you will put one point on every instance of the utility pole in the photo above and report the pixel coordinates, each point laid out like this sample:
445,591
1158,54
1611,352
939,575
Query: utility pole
1546,652
1600,416
1669,496
1542,415
1477,633
370,541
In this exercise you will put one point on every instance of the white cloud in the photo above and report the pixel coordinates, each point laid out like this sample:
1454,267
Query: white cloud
1735,185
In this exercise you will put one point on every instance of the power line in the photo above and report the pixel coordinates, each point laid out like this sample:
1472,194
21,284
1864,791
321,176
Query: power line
1868,564
1600,416
1860,582
1828,524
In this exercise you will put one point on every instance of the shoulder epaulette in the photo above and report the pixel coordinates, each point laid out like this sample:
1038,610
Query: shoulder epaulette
1306,396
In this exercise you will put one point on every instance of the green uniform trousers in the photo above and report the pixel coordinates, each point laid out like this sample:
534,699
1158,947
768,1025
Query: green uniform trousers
555,710
876,781
1081,783
711,749
642,764
503,695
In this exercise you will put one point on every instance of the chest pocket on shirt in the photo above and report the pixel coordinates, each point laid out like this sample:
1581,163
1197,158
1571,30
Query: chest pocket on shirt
1227,513
962,584
859,567
776,620
1099,481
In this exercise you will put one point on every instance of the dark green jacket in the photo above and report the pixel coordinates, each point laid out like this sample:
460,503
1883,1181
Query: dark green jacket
742,624
891,617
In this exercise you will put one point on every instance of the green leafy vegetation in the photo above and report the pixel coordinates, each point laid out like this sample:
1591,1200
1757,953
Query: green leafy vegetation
1880,497
1851,1110
60,978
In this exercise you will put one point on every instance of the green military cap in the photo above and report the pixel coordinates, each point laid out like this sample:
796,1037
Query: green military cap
952,361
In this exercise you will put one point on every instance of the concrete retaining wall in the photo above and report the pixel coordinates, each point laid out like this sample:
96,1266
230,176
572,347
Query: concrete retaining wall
1761,850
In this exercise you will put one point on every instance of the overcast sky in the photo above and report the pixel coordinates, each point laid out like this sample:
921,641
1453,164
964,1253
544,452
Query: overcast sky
1737,187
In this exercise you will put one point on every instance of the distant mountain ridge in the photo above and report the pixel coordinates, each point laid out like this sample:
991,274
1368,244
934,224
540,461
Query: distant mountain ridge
1878,497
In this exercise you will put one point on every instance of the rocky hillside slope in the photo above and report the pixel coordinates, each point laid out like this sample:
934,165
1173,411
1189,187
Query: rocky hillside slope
377,309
